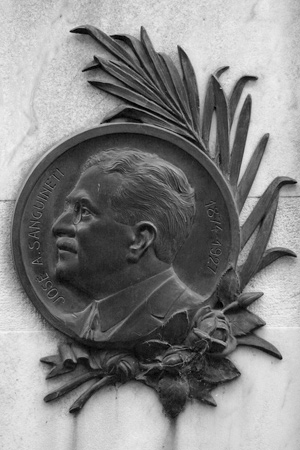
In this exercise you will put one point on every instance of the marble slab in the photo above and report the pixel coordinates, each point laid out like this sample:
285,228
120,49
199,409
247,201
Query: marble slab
259,411
44,97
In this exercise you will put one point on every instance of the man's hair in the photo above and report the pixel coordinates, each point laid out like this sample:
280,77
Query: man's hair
153,190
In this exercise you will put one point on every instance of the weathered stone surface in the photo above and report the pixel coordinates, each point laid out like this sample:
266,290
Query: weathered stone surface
44,98
259,411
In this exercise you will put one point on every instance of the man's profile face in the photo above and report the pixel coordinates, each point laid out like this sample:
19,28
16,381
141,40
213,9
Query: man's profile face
91,244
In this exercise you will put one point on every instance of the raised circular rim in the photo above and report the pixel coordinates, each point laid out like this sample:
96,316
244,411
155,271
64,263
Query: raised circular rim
102,130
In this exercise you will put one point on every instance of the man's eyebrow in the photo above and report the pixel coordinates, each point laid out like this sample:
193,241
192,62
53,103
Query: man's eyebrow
81,198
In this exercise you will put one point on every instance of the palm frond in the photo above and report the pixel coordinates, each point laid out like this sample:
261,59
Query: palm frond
140,115
112,46
131,79
81,401
209,108
156,64
257,342
239,144
250,173
272,255
220,71
190,83
236,95
222,125
178,87
149,80
73,384
132,97
262,207
250,267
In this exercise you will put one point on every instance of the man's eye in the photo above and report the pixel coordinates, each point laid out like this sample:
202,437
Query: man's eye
80,212
85,212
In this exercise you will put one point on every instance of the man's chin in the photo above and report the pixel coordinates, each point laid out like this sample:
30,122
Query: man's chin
68,275
65,273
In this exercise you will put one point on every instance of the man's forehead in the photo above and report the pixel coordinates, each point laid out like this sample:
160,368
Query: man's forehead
97,184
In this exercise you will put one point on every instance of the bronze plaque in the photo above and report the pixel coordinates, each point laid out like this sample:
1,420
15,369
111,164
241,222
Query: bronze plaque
126,237
210,248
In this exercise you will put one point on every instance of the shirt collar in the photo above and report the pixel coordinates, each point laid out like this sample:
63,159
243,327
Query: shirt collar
116,307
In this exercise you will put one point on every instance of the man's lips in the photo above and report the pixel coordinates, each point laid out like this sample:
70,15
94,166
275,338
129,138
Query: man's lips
66,244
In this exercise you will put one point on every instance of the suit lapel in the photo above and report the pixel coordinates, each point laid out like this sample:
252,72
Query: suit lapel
114,309
162,299
151,314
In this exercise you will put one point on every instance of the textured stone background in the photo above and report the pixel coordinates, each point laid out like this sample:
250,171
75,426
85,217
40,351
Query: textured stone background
44,98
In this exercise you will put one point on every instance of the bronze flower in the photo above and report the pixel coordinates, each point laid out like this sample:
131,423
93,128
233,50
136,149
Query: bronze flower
212,333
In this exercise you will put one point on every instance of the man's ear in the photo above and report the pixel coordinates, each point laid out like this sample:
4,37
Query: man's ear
144,235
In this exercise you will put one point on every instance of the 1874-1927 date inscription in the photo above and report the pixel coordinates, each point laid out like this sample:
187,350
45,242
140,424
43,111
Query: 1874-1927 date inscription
215,251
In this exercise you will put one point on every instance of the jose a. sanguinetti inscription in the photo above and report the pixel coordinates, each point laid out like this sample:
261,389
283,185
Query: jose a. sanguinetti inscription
126,237
34,230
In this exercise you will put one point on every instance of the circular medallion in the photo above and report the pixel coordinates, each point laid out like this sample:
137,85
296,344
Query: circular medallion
211,247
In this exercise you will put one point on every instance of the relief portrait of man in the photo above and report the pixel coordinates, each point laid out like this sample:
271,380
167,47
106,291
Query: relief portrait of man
123,223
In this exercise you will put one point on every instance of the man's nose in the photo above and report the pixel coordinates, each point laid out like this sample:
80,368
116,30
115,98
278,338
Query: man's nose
64,226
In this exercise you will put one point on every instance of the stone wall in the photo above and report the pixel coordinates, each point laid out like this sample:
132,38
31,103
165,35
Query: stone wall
44,98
